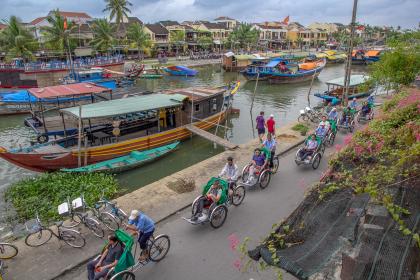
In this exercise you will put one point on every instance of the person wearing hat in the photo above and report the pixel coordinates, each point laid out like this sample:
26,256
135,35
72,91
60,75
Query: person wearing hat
321,130
271,126
144,227
333,115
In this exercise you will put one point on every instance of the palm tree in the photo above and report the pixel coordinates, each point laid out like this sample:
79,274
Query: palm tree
245,35
139,37
204,41
117,9
177,38
103,39
57,35
17,40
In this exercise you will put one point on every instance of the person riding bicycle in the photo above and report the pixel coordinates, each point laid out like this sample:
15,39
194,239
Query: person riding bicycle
270,145
213,195
231,172
144,227
309,149
333,115
365,109
258,162
99,268
347,114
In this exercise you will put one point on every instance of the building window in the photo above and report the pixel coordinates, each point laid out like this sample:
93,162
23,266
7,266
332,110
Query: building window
197,107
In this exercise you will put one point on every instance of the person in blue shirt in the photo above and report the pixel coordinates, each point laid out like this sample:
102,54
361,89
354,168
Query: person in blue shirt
353,104
333,115
144,227
270,145
371,100
321,131
258,162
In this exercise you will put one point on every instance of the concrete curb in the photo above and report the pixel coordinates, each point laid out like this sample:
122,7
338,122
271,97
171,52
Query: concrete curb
84,261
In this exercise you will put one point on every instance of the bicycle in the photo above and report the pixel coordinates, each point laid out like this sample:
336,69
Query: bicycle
7,251
78,217
40,234
109,213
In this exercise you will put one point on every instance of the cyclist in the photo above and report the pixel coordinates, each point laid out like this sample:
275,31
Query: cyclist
140,224
231,172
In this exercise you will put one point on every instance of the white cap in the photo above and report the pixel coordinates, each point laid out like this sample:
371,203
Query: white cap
134,214
271,116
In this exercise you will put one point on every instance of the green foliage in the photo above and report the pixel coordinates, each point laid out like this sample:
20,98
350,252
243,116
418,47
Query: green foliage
244,35
118,10
56,36
44,193
205,42
301,128
17,40
139,37
401,64
103,35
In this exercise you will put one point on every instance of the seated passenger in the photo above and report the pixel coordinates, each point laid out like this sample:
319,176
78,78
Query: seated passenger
258,162
99,268
325,123
365,109
321,131
347,114
309,148
333,115
353,104
213,195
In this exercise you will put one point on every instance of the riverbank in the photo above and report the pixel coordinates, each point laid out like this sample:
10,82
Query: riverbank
156,199
185,61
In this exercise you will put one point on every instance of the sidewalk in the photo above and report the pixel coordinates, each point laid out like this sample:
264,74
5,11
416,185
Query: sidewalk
156,199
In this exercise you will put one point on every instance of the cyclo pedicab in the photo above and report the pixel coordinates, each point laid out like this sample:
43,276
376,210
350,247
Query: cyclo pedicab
263,176
346,121
365,115
332,132
315,158
124,270
216,212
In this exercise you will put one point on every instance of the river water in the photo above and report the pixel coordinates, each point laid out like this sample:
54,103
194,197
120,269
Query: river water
284,101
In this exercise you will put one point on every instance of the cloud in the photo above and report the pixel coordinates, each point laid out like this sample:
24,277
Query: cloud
374,12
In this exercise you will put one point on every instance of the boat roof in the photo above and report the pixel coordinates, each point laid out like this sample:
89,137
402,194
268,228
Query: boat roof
196,94
67,90
274,62
354,80
126,105
373,53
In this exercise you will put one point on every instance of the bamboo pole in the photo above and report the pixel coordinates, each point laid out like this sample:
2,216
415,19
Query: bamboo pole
255,90
79,140
310,89
349,55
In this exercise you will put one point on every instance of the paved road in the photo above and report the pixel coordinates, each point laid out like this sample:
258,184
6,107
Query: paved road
203,253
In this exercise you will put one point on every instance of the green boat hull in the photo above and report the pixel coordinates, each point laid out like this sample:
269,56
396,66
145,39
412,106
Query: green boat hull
131,161
151,76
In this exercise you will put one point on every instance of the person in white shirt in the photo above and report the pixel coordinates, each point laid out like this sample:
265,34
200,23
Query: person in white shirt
231,172
324,122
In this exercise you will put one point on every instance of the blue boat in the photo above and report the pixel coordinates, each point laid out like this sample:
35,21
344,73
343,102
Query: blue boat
334,93
95,76
262,68
180,71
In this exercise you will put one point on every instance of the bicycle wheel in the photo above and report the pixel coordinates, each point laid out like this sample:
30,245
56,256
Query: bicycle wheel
238,195
109,221
38,238
74,221
72,238
124,275
159,247
276,164
7,251
94,226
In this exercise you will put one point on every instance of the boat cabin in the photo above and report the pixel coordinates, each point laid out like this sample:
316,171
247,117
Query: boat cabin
238,62
336,87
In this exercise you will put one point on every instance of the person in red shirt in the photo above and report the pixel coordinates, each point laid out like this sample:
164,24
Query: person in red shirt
271,126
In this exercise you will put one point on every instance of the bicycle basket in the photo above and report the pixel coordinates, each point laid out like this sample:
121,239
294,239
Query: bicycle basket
77,203
32,226
63,209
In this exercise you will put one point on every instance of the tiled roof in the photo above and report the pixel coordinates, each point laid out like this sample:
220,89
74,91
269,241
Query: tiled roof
224,18
37,20
74,14
2,26
157,28
213,25
134,19
263,26
168,22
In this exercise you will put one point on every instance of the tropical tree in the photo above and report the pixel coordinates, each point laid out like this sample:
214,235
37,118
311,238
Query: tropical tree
177,38
205,41
16,40
103,35
139,37
57,34
299,42
244,35
118,10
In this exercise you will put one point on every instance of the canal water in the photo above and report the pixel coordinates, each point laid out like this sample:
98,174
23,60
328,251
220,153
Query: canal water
284,101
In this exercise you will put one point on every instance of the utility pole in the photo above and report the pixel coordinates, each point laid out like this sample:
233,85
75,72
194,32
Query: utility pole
349,54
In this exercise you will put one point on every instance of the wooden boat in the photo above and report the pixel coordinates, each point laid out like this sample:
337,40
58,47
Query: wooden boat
124,163
261,69
151,74
334,93
332,56
34,99
180,71
166,118
302,72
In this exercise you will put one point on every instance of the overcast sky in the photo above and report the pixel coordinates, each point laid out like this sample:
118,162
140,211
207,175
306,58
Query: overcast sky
375,12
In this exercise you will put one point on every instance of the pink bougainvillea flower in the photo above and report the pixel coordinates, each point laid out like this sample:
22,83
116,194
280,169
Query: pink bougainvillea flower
237,264
347,139
338,147
418,137
358,150
233,241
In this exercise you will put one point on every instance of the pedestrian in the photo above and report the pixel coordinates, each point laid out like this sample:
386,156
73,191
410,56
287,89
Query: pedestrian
261,126
271,126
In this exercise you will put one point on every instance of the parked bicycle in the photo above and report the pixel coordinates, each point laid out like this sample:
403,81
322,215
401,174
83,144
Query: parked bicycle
77,212
108,213
7,251
309,114
40,234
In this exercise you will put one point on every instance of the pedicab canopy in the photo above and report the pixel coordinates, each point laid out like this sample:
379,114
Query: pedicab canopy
126,106
224,185
355,80
126,260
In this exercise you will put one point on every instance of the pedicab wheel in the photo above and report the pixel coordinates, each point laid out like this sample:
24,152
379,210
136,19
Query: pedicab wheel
38,238
264,179
194,205
245,173
238,195
331,138
159,247
275,164
94,226
322,149
7,251
316,160
109,221
351,127
124,275
218,216
73,238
